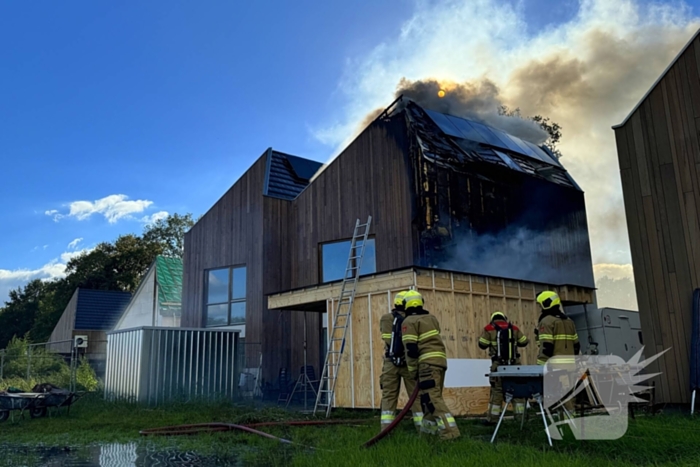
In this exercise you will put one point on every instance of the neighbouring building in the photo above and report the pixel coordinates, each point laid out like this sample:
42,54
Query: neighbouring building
157,300
658,147
89,313
474,218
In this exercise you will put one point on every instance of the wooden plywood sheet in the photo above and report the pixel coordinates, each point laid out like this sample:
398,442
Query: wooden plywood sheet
467,401
462,316
362,362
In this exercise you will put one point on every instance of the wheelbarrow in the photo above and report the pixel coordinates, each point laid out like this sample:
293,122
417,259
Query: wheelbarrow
11,402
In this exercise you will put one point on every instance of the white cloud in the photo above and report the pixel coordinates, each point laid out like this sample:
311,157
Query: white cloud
11,279
74,244
586,74
155,217
112,207
613,271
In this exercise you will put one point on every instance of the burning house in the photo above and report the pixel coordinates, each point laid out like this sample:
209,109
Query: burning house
476,219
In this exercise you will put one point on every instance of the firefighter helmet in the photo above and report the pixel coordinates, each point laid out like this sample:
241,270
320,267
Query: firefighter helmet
548,299
413,299
496,314
398,298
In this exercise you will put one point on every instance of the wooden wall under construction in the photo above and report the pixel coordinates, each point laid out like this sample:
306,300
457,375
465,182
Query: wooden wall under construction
462,303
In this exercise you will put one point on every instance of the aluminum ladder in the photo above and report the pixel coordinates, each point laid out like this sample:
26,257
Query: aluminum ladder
341,318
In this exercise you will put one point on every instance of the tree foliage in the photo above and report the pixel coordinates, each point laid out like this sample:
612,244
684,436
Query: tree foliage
32,311
553,129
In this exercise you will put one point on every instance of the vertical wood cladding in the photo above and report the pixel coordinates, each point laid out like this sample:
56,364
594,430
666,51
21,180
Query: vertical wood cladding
371,177
230,233
659,155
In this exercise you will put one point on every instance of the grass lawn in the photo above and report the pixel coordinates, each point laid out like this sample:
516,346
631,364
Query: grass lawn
650,440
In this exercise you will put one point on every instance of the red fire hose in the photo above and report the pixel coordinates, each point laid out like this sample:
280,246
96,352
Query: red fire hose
396,421
216,427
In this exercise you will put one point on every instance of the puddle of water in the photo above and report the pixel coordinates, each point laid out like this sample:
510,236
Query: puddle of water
108,455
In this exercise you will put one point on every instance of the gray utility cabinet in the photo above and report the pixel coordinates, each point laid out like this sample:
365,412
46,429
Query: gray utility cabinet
156,364
617,332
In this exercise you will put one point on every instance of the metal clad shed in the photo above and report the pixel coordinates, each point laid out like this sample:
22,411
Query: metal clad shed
155,364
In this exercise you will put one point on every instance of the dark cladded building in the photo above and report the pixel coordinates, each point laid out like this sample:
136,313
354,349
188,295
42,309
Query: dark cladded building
444,193
658,147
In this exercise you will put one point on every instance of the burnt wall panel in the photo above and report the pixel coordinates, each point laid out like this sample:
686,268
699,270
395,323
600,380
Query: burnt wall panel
480,218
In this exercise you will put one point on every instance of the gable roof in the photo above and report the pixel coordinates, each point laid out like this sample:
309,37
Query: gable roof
99,310
286,175
453,140
658,80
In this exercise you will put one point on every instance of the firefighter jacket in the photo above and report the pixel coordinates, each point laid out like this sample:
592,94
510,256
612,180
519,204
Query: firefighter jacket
488,340
386,325
422,340
556,336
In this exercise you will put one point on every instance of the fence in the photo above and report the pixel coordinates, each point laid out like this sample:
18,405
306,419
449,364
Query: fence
24,365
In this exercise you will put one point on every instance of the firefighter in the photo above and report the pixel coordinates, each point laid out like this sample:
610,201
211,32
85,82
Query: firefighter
394,368
556,336
427,362
502,340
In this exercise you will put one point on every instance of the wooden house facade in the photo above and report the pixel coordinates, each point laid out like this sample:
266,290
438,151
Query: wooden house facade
658,147
446,196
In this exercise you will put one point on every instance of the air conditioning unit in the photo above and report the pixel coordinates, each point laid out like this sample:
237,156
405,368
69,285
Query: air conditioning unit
80,342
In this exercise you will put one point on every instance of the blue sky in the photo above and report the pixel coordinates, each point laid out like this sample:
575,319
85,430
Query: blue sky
167,102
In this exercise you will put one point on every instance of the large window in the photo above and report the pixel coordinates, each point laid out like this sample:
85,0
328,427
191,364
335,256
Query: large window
225,297
334,259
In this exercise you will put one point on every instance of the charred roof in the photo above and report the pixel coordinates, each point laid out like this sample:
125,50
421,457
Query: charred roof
457,142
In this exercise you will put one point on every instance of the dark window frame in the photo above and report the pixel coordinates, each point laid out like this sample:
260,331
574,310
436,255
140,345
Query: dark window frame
231,300
349,240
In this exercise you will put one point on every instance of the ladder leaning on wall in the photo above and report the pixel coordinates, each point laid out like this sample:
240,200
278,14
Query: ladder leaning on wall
341,317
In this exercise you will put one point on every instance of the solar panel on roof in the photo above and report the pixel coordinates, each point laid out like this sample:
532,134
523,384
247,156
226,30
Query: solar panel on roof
468,129
442,121
507,139
509,161
490,136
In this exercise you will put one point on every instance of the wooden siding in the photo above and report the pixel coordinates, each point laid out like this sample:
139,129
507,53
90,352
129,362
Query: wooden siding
463,305
659,155
64,328
371,177
229,234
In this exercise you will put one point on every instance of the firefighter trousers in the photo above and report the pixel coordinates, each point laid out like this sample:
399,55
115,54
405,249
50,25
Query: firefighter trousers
437,418
496,400
390,383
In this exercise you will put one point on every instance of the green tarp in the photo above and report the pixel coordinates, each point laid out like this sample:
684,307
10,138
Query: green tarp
169,279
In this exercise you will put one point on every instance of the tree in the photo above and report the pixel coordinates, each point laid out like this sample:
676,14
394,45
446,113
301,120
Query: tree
553,129
33,310
170,233
19,313
114,266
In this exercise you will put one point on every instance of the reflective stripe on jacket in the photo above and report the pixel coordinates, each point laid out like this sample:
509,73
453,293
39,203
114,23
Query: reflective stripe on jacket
559,332
424,330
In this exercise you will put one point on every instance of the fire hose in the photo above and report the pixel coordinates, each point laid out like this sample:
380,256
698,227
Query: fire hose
396,421
197,428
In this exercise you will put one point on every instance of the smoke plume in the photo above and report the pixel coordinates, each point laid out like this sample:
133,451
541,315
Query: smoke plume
521,253
478,100
586,74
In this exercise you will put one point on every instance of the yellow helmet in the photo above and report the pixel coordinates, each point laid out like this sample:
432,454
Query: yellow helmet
498,313
548,299
398,298
412,299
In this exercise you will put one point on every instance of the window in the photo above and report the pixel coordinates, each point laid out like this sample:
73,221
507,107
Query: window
225,297
334,259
